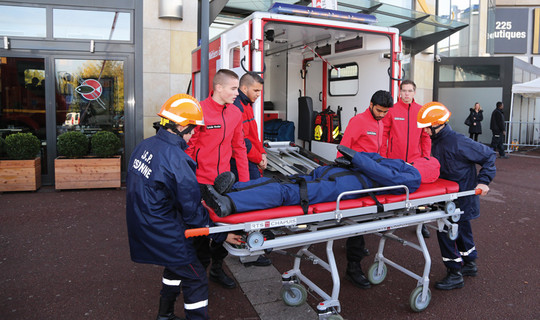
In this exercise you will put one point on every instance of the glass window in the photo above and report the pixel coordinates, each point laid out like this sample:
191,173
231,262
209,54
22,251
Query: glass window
90,96
22,21
343,80
462,73
96,25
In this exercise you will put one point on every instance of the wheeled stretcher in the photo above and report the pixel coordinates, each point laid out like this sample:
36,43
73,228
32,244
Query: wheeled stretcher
326,222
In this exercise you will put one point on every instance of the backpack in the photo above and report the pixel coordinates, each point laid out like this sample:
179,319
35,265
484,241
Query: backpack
278,130
328,126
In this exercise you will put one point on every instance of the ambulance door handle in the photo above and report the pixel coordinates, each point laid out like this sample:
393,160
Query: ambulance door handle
320,96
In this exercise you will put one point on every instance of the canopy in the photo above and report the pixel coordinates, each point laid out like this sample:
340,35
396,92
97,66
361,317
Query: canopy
529,89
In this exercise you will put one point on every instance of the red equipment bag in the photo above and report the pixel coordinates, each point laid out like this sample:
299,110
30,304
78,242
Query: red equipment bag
328,126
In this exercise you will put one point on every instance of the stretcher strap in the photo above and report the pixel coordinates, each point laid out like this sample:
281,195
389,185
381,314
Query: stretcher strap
380,207
302,185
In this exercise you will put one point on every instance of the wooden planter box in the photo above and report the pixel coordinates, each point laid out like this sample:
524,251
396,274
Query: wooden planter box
87,173
20,175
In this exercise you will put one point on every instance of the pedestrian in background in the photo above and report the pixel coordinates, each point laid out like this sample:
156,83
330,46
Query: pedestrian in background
498,129
475,118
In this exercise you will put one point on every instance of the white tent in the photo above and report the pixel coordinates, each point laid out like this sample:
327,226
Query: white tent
529,89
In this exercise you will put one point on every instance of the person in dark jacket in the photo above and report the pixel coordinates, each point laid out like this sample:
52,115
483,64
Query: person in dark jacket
475,117
498,129
358,170
458,156
250,89
163,200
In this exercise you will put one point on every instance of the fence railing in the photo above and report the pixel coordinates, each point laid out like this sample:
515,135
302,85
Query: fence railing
522,134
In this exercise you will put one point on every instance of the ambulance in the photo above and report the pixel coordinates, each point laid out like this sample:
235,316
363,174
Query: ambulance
310,56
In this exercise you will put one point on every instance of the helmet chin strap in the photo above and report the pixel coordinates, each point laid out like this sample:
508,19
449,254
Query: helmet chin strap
186,130
434,130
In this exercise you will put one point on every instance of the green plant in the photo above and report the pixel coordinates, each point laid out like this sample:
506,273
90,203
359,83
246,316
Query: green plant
22,146
105,144
2,146
72,144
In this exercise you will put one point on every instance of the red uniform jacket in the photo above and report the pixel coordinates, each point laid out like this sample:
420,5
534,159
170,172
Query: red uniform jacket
221,138
363,134
402,139
250,128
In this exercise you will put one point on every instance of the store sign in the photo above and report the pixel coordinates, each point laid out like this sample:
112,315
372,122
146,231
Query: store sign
325,4
511,28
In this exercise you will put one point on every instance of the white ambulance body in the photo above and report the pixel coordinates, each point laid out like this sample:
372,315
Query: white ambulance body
352,61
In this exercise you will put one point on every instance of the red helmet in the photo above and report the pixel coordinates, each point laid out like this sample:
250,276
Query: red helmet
432,114
182,109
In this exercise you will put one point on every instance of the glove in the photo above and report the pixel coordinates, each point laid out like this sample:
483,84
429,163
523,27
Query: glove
348,153
343,162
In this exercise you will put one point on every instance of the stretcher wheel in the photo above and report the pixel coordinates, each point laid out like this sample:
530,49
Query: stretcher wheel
450,207
372,275
453,232
255,239
455,218
294,295
417,305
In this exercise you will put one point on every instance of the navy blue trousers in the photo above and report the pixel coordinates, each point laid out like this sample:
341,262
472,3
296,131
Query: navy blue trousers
457,252
192,281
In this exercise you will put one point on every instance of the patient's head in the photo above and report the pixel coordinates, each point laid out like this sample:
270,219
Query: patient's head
429,168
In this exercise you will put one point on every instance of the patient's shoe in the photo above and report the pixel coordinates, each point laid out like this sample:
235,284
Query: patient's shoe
224,182
355,274
222,205
348,153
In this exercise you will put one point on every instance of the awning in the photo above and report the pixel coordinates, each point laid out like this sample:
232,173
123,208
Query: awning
418,30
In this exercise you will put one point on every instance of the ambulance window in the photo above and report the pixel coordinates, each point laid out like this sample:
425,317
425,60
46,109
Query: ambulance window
343,80
234,56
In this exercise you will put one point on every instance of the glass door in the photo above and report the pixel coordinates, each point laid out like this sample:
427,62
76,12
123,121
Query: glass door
22,99
89,96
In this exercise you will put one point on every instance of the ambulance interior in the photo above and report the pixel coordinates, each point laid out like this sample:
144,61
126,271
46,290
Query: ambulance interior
360,60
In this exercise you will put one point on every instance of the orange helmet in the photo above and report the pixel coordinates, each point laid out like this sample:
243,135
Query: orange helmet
182,109
432,114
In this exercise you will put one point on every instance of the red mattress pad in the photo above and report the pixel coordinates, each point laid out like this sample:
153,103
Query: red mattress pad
438,187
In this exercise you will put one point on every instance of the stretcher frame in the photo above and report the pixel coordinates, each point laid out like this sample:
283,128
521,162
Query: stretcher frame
308,229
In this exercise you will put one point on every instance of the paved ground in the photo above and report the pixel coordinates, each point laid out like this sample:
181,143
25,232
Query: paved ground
64,255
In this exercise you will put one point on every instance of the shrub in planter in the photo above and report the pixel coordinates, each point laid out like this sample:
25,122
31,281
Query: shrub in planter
105,144
72,144
2,146
22,146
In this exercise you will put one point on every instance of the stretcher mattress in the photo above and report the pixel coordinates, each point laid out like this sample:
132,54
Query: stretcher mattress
436,188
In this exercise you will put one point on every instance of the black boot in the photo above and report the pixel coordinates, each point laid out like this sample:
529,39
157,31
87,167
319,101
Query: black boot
425,231
222,205
166,310
347,153
453,280
469,269
224,182
355,274
217,274
262,261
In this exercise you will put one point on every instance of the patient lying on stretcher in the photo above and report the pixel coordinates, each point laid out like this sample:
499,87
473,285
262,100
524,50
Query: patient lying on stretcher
353,171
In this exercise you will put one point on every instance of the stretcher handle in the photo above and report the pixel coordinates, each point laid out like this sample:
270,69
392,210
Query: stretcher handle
197,232
478,191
